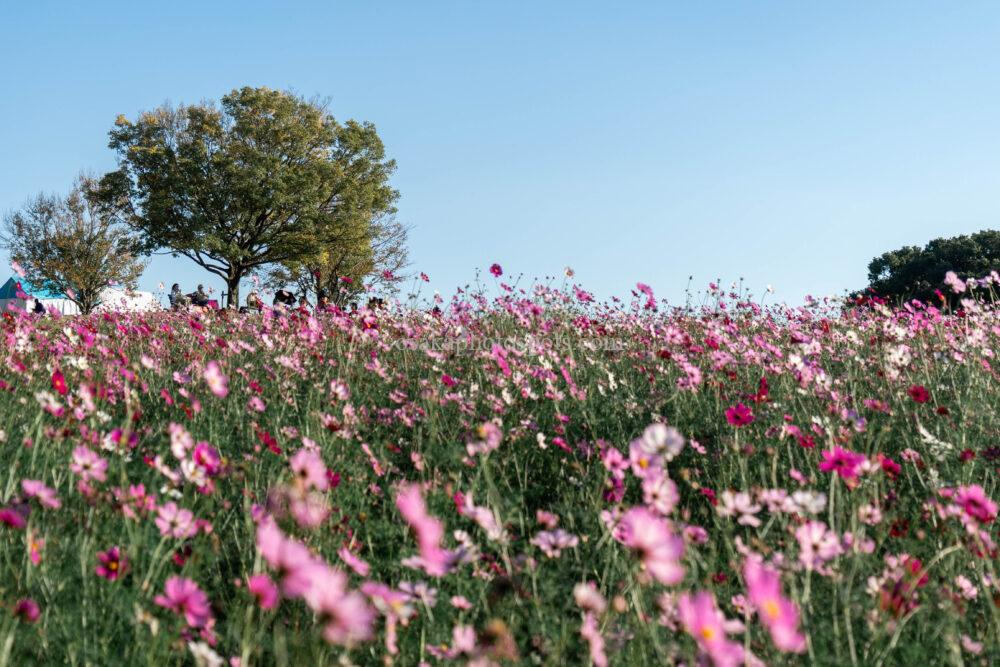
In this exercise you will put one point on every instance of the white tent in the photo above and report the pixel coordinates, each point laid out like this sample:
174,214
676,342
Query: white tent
118,299
18,294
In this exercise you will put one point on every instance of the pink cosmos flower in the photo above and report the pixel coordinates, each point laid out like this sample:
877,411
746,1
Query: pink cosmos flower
660,493
496,270
309,469
360,567
183,597
428,530
976,503
207,457
216,380
552,542
656,546
262,588
111,564
591,633
46,496
643,462
956,284
739,415
703,621
775,611
842,461
817,544
35,545
175,521
88,465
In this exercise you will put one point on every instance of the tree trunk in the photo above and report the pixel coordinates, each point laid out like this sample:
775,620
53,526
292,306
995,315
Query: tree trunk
233,292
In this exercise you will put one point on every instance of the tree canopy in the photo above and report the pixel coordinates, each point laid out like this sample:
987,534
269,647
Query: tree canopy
264,178
912,272
366,251
67,245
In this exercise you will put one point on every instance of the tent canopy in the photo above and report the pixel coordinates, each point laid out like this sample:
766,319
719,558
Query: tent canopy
9,290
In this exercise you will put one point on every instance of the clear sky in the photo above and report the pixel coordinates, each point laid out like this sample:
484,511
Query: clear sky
638,141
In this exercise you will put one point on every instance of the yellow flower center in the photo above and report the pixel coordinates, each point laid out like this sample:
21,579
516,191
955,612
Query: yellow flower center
707,633
643,463
771,609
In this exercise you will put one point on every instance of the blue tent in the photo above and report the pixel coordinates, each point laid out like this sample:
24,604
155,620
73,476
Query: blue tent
51,301
9,290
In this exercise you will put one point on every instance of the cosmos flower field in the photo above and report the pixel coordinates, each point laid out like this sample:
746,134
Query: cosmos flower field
530,477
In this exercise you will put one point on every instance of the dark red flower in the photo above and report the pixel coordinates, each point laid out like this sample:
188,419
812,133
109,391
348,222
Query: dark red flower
919,393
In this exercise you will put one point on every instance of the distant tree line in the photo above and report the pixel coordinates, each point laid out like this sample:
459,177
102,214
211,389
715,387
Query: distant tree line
265,183
912,272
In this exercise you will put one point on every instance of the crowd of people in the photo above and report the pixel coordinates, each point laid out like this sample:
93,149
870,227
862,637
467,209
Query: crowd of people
283,299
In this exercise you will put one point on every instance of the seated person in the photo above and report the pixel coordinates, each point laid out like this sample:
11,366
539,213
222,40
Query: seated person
254,301
177,298
284,298
199,297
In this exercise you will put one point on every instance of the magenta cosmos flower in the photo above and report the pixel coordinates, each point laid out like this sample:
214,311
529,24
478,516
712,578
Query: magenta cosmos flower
976,503
776,612
739,415
842,461
496,270
28,610
111,564
183,597
265,590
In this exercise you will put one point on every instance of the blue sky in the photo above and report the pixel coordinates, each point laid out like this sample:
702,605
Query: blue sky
646,141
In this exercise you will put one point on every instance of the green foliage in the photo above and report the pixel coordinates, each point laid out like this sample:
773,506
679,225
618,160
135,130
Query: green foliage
66,245
914,273
265,178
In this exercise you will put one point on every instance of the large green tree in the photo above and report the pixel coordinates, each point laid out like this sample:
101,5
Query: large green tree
67,245
912,272
266,177
367,252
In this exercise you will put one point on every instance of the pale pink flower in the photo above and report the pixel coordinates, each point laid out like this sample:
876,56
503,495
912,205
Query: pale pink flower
656,546
552,542
360,567
309,469
427,530
88,465
595,642
175,522
46,496
216,380
817,544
